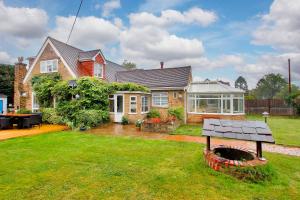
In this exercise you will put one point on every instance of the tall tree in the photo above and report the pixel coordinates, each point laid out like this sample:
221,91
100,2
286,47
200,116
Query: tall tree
241,83
268,86
7,81
129,65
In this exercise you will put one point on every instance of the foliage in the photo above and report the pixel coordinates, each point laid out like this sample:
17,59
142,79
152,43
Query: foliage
291,101
268,86
42,85
153,113
284,92
7,81
241,83
50,116
254,174
124,121
176,112
129,65
23,111
139,123
90,118
127,87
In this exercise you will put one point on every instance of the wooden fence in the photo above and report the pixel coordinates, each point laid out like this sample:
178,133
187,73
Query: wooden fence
272,106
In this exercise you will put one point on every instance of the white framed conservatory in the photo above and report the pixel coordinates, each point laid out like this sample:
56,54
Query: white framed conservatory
213,97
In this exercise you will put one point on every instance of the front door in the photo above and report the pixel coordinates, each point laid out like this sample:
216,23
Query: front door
119,107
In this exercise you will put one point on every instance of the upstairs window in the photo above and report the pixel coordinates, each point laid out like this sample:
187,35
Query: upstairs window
160,99
48,66
98,70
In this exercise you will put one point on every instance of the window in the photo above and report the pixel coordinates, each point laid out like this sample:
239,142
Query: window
160,99
132,108
98,70
145,104
48,66
35,103
111,103
215,103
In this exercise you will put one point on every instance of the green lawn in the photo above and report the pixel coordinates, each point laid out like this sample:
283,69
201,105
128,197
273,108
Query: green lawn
286,130
71,165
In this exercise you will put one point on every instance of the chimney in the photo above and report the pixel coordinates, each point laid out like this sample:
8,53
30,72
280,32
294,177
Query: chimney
20,72
161,65
30,60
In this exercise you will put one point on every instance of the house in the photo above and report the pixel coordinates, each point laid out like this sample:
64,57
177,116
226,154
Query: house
169,87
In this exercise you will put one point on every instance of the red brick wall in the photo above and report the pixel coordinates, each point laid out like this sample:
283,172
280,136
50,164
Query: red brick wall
86,68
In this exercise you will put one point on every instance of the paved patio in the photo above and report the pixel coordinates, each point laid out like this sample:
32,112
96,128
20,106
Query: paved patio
45,128
130,130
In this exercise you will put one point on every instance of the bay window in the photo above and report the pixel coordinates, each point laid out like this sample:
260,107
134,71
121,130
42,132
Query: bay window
215,103
48,66
132,105
160,99
145,104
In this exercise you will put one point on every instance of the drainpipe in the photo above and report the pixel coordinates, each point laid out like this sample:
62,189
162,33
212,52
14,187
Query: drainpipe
185,104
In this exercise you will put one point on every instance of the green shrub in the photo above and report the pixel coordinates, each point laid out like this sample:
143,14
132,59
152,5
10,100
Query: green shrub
124,121
50,116
255,174
89,118
176,112
127,87
153,113
24,111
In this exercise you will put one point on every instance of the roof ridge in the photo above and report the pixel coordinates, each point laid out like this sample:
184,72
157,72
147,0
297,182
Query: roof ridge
51,38
168,68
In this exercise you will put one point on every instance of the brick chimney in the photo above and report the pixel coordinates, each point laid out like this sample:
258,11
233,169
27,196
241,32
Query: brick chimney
161,65
20,72
30,60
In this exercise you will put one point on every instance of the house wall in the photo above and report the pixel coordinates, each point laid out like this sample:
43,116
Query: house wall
26,102
198,118
172,102
86,68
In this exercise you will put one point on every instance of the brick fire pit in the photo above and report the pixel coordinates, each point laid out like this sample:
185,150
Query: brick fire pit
221,157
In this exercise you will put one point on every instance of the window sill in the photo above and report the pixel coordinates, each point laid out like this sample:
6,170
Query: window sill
160,106
132,113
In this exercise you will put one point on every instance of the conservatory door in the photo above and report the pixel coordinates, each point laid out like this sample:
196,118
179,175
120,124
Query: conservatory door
119,107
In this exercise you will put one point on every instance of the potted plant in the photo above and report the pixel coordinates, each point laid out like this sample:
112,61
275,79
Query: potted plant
138,124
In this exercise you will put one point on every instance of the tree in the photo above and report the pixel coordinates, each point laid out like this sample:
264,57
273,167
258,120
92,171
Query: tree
284,92
241,83
129,65
268,86
7,81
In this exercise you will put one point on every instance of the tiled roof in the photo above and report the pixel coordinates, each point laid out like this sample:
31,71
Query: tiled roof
212,87
112,69
240,130
87,55
157,78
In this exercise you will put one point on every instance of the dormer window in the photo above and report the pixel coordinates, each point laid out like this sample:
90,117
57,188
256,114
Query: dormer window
48,66
98,70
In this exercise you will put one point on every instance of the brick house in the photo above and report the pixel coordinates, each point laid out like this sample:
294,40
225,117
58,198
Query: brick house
168,86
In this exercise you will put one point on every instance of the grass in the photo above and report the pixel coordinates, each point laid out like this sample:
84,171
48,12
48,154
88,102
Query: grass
72,165
286,130
194,130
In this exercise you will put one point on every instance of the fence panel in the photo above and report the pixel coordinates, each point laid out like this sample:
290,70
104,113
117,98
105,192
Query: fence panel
272,106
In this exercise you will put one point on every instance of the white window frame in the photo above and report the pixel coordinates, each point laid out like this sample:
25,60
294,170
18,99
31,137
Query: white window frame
94,72
111,97
130,104
223,97
148,104
45,68
160,95
33,97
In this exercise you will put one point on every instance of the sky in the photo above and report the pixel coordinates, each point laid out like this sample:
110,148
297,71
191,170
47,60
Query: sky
219,39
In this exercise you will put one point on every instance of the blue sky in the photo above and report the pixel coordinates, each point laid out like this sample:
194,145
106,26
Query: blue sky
219,39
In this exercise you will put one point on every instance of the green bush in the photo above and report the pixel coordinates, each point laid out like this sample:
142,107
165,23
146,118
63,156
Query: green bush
255,174
124,121
24,111
127,87
176,112
153,113
50,116
90,118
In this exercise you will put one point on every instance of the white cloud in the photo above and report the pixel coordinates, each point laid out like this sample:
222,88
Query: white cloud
89,32
280,28
5,58
170,17
26,23
109,6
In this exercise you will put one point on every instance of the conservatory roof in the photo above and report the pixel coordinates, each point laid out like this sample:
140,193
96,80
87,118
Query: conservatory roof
212,87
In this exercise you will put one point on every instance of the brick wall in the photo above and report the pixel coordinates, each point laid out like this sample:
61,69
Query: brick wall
198,118
20,72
